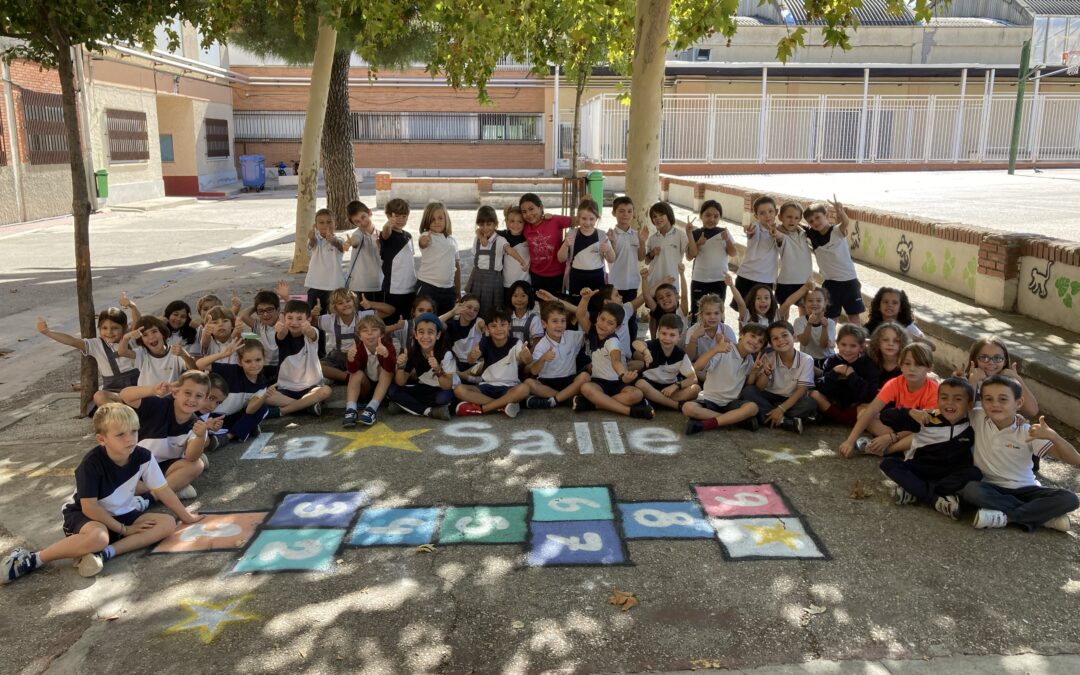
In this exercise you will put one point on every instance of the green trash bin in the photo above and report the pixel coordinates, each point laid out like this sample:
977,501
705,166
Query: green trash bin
595,181
102,178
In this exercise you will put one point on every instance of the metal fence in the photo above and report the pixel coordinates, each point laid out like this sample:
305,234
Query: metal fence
46,135
128,139
400,127
807,129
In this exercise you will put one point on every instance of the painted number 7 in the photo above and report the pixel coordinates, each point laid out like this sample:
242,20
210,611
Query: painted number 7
592,542
571,504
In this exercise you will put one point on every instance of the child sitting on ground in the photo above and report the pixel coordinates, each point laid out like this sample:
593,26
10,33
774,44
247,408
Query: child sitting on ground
710,327
372,362
244,405
668,377
780,389
524,321
116,371
169,429
104,517
892,304
339,330
815,331
710,247
886,343
990,356
299,385
1008,491
464,329
730,368
610,386
499,388
886,417
401,333
937,462
218,331
848,379
662,300
489,258
155,360
834,261
262,318
324,269
182,331
555,377
760,305
425,373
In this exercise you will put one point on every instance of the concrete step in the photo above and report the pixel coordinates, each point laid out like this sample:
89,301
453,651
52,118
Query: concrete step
224,191
158,204
502,199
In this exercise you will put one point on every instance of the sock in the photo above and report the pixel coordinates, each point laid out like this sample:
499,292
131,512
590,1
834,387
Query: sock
373,405
351,405
552,401
108,553
710,424
427,411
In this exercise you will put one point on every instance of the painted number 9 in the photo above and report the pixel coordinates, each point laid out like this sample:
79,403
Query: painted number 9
744,499
571,504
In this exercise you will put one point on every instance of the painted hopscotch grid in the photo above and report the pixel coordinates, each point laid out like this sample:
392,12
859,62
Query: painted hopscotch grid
645,520
218,531
406,526
757,522
478,524
574,526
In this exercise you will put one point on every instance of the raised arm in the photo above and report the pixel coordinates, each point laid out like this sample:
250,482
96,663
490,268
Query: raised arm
841,215
795,297
132,396
123,348
691,243
62,338
1061,448
204,362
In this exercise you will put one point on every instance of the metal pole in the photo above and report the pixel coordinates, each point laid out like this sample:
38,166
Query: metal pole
958,129
763,112
556,141
863,116
13,141
1018,113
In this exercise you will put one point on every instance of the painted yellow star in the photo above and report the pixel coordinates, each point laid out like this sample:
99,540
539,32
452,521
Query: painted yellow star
378,436
209,618
782,455
776,534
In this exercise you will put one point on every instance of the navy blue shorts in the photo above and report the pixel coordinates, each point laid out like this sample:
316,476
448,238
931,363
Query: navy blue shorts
298,393
899,419
75,521
556,383
658,386
493,390
785,291
610,387
846,295
717,408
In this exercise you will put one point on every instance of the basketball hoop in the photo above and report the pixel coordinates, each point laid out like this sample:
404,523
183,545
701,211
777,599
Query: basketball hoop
1071,60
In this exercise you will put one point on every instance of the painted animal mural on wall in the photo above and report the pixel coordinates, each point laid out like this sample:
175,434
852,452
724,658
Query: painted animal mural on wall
904,250
1040,279
855,237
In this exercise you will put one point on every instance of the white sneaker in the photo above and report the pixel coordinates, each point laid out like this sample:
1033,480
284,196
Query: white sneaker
89,565
205,461
511,409
1061,523
990,518
187,492
862,443
142,503
948,505
903,497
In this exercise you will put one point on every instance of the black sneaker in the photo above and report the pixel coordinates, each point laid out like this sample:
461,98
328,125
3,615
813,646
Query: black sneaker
750,424
367,417
540,403
392,408
349,420
792,424
316,410
273,412
694,427
642,411
439,412
581,404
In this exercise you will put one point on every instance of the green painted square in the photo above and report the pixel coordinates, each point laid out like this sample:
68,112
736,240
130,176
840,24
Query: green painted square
483,525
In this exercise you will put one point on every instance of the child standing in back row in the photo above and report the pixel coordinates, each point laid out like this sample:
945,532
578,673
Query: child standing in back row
760,260
324,269
439,276
365,271
665,249
796,262
834,260
489,253
398,268
629,251
586,249
710,247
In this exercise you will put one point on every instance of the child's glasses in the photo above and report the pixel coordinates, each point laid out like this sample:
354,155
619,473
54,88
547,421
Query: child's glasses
986,358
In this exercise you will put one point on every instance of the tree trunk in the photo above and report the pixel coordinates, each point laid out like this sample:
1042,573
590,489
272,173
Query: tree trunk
309,149
575,137
646,105
80,210
337,147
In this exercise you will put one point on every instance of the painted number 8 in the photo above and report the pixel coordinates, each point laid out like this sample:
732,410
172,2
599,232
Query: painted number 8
312,510
657,518
592,542
571,504
744,499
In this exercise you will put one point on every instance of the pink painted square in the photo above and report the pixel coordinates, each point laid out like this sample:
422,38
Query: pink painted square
215,532
727,501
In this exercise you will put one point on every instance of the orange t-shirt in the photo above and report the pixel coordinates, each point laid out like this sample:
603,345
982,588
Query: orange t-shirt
896,391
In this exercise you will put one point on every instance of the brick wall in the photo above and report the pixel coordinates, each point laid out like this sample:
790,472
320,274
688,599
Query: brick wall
28,75
416,155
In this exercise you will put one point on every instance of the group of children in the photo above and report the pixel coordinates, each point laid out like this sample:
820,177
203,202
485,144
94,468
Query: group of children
547,319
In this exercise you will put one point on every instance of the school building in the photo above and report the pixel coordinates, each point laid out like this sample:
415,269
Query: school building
908,95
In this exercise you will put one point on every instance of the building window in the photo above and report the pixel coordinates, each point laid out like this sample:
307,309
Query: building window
165,140
46,136
128,140
217,138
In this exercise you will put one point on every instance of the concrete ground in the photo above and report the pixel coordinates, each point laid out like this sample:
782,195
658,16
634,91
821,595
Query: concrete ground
882,587
1044,202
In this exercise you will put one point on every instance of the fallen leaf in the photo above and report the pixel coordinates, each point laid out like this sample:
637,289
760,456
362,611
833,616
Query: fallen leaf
75,386
339,561
624,600
517,625
814,609
291,425
240,542
301,654
858,491
700,664
114,617
424,548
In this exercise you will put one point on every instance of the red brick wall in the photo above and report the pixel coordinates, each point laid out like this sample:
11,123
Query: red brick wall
26,75
416,155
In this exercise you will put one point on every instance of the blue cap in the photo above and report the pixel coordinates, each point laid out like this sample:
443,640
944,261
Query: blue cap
430,318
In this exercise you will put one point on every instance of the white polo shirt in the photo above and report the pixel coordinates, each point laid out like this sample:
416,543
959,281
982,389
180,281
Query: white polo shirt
449,365
566,351
711,261
705,343
494,261
784,379
1004,455
366,265
602,368
762,257
796,261
833,254
672,251
727,376
154,370
503,371
813,347
623,273
324,269
437,261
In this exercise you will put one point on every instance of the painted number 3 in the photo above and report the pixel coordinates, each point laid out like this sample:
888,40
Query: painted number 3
305,548
657,518
311,510
398,526
744,499
482,526
592,542
571,504
198,530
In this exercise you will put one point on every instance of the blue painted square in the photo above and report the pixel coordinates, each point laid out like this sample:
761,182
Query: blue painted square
571,503
581,542
395,527
664,520
317,509
280,550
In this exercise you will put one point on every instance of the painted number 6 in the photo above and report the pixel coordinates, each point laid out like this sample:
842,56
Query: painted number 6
571,504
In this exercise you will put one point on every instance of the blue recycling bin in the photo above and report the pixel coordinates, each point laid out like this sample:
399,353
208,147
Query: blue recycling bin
253,172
